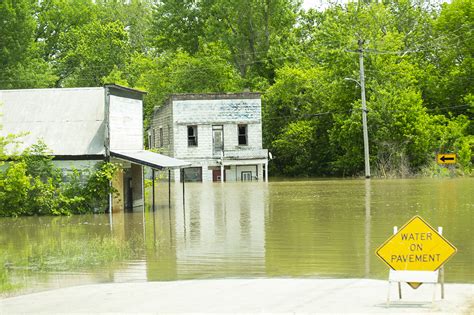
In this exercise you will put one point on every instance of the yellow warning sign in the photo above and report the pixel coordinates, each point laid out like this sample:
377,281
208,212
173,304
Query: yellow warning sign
446,158
416,246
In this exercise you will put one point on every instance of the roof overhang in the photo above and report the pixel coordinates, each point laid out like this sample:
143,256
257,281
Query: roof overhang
148,158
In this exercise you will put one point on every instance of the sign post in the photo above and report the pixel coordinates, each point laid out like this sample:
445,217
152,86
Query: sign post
416,246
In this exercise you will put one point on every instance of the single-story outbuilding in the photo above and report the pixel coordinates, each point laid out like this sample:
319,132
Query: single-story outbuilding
83,126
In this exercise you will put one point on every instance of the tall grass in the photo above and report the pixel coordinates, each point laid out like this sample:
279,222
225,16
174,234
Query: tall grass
65,255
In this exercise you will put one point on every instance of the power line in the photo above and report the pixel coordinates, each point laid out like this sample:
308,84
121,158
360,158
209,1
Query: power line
311,115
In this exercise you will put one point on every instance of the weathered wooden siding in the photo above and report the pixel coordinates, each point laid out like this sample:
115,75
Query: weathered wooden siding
162,118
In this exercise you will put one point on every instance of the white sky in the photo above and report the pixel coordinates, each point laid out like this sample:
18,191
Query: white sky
322,4
319,4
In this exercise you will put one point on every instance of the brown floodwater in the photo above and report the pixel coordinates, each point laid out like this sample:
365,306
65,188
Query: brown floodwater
311,228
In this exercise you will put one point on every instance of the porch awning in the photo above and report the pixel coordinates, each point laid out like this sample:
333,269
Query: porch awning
148,158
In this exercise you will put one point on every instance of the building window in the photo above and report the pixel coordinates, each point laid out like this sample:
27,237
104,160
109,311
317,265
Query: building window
242,134
169,134
192,136
192,174
153,138
150,144
161,137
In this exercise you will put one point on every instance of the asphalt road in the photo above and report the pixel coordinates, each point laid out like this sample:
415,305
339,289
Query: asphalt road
360,296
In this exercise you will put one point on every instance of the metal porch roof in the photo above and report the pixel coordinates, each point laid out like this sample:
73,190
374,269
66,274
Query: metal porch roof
148,158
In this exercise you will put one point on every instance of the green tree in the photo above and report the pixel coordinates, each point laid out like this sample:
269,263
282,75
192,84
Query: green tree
21,64
56,18
247,29
294,149
178,24
89,53
180,72
449,59
135,15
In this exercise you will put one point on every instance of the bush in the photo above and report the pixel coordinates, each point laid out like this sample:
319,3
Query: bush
32,185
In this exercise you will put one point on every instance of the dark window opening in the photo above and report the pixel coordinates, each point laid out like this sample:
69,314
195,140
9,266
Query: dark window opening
242,134
161,137
192,136
192,174
169,134
153,138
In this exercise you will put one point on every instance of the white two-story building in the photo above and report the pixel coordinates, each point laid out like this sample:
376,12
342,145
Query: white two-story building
219,134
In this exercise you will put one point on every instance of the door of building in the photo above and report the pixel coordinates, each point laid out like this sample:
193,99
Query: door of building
246,176
216,175
217,140
128,194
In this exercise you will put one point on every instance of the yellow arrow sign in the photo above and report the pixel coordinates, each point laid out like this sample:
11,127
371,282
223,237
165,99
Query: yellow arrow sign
446,158
416,246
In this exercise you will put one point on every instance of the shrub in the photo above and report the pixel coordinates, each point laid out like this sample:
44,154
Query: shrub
32,185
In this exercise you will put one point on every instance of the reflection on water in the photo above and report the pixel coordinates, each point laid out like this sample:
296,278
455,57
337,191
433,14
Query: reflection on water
280,229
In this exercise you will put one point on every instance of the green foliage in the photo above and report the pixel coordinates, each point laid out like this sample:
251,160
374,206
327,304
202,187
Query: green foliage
418,60
14,187
64,254
246,28
98,187
451,58
79,254
178,24
403,88
91,52
21,64
294,148
85,193
180,72
32,185
39,162
451,136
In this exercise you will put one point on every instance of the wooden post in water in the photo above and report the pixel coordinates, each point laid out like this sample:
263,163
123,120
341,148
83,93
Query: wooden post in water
153,189
184,206
169,188
182,174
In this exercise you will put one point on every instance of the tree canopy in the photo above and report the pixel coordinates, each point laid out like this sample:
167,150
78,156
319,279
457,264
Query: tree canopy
418,69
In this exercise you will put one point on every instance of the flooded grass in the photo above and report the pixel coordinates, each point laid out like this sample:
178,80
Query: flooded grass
65,255
6,284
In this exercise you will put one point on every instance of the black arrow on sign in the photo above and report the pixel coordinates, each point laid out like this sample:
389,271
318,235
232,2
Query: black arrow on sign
444,159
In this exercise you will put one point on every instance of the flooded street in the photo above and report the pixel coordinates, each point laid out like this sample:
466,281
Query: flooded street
319,229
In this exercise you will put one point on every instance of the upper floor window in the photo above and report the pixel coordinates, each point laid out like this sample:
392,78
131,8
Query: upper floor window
169,134
161,137
192,136
150,144
153,138
242,134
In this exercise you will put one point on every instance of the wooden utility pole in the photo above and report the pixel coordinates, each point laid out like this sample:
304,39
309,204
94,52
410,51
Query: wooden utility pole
364,109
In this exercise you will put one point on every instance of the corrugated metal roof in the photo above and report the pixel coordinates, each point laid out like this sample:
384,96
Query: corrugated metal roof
148,158
69,121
